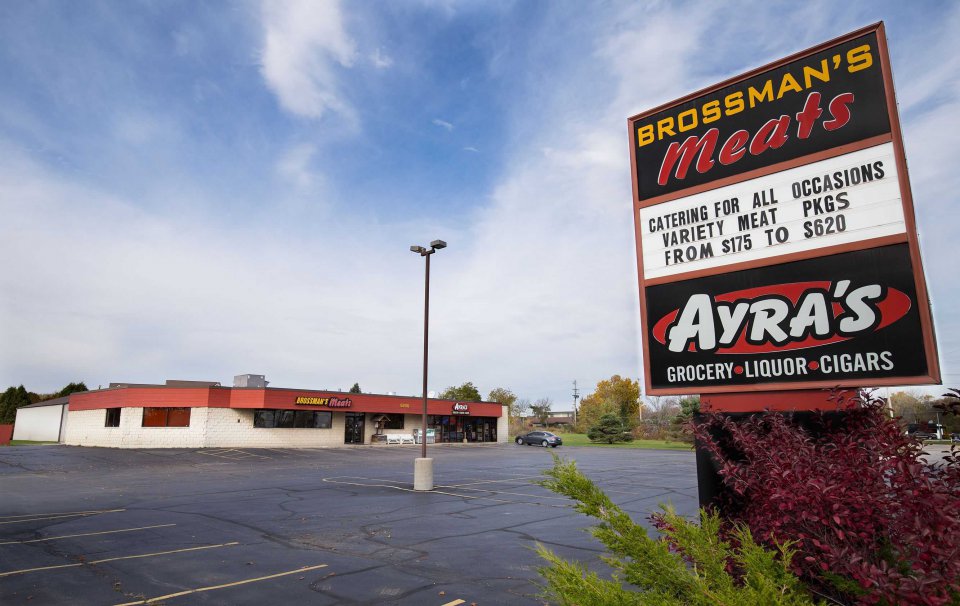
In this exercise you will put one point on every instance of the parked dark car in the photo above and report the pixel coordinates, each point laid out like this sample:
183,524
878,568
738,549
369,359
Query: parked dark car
540,438
924,435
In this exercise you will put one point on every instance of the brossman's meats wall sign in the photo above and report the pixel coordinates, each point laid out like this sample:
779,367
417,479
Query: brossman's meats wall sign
776,241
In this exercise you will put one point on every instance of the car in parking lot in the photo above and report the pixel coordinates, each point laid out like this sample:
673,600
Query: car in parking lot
539,438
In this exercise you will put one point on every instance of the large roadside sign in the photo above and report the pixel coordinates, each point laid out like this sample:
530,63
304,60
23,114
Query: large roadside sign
776,239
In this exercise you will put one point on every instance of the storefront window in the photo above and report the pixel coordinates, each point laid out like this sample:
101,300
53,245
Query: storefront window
166,417
290,419
454,428
113,418
178,417
393,421
284,418
263,418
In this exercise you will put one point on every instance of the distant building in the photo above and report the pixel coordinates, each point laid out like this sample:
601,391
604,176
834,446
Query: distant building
557,418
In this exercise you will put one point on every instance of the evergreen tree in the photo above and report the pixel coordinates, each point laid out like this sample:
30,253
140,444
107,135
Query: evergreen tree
689,406
8,411
610,429
355,388
12,399
71,388
694,565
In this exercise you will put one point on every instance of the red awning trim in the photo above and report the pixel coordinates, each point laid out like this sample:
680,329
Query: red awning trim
228,397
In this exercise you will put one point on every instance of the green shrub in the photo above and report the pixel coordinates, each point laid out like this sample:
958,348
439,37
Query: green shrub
692,566
871,521
609,430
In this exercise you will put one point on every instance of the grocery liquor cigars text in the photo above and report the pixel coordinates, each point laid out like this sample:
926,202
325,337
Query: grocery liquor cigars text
782,367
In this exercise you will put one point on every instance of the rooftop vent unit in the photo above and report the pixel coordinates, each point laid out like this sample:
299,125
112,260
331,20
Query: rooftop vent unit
257,381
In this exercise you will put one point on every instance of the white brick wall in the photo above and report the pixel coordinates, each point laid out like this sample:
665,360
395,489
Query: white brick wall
86,428
220,428
233,427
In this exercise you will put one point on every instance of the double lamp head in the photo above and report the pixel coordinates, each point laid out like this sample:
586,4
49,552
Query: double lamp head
434,247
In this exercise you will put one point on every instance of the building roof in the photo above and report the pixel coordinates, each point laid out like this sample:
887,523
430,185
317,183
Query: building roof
168,383
551,420
53,402
175,394
178,383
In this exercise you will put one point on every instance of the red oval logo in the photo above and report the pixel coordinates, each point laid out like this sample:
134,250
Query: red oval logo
780,317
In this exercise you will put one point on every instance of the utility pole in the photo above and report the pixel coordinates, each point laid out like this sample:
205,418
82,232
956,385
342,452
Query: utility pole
576,396
641,397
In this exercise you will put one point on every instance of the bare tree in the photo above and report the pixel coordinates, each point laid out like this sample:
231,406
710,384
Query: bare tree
661,409
541,409
520,408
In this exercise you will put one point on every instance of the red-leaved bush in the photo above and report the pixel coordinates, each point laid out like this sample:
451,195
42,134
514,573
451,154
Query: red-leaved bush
872,523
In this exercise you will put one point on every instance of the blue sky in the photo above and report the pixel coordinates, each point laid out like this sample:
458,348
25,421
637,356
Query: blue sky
198,190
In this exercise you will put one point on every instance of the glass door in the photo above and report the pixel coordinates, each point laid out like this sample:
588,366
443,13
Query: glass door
353,428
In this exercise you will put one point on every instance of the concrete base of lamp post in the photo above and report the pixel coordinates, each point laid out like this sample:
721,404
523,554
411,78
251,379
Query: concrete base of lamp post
423,474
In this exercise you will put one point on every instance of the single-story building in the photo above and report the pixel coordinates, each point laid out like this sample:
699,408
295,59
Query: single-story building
189,414
558,418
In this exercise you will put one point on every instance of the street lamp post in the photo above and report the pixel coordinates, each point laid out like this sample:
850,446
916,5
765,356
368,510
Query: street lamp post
423,467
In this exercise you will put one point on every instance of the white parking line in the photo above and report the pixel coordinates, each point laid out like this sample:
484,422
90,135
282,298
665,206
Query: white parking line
133,557
231,453
225,585
59,515
86,534
499,481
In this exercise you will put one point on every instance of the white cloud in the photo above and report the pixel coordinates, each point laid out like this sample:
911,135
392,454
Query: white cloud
108,292
381,60
294,166
548,291
144,129
928,89
304,43
652,61
443,124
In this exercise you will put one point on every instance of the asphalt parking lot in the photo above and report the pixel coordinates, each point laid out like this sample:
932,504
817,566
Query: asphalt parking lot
330,526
